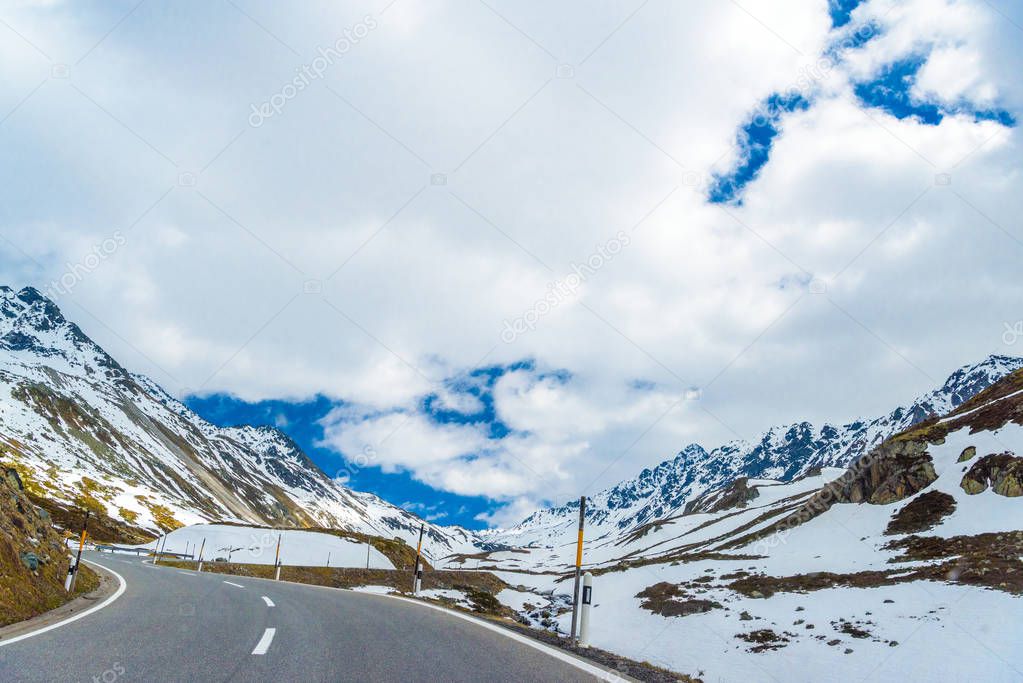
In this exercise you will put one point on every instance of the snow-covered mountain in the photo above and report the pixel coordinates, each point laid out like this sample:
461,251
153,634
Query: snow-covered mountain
907,565
782,453
84,432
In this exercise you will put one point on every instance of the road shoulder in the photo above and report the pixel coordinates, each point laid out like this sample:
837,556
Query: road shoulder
109,585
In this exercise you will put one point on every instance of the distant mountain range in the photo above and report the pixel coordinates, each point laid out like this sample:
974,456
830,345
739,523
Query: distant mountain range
782,453
85,432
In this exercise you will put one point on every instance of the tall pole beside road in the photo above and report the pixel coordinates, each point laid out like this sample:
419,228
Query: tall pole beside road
578,568
417,576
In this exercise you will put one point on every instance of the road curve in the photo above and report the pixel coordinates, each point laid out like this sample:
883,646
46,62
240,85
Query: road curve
172,625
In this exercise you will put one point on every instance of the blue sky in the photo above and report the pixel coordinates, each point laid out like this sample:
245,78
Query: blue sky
303,422
519,251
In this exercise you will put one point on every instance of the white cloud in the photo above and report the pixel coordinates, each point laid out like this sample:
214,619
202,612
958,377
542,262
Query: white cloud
230,285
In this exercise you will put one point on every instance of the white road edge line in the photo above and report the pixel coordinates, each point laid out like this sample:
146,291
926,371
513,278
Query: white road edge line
600,673
236,585
76,617
268,601
182,571
264,643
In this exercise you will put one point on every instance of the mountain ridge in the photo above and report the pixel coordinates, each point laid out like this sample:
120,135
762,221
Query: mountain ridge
86,433
782,453
116,431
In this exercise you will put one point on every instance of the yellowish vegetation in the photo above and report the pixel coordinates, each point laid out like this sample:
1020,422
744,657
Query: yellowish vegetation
162,515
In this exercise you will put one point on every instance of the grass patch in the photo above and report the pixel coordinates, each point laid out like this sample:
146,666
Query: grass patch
33,559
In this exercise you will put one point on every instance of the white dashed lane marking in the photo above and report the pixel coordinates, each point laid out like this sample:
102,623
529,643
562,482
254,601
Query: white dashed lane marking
264,643
268,601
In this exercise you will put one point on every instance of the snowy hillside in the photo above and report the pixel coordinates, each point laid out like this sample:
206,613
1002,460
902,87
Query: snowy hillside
253,545
782,453
86,433
912,554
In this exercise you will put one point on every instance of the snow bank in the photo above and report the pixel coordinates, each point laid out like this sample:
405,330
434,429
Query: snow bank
254,545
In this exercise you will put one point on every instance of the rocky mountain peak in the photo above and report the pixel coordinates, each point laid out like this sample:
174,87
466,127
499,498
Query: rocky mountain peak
32,325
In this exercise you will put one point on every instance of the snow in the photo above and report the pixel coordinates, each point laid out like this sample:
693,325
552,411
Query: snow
957,416
135,432
375,590
928,631
966,640
255,545
943,631
457,596
517,600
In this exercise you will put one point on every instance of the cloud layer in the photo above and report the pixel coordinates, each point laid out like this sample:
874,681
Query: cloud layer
452,168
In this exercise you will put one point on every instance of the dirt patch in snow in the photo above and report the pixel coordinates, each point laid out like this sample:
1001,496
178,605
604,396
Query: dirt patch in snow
985,560
763,640
761,586
673,600
921,513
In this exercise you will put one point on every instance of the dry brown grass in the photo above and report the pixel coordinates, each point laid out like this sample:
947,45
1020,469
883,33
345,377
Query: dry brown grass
25,593
336,577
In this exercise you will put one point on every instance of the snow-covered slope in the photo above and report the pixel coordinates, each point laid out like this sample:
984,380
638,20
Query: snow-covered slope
782,453
907,565
85,432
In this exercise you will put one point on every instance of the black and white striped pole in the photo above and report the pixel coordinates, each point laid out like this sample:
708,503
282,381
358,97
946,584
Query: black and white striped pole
277,560
72,570
584,615
159,549
417,578
578,568
201,549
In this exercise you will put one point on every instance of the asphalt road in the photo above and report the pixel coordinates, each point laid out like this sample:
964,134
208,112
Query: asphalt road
173,625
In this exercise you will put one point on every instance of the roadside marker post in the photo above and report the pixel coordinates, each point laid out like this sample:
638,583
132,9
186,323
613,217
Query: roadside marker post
73,571
417,576
277,560
578,568
584,616
201,549
159,549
